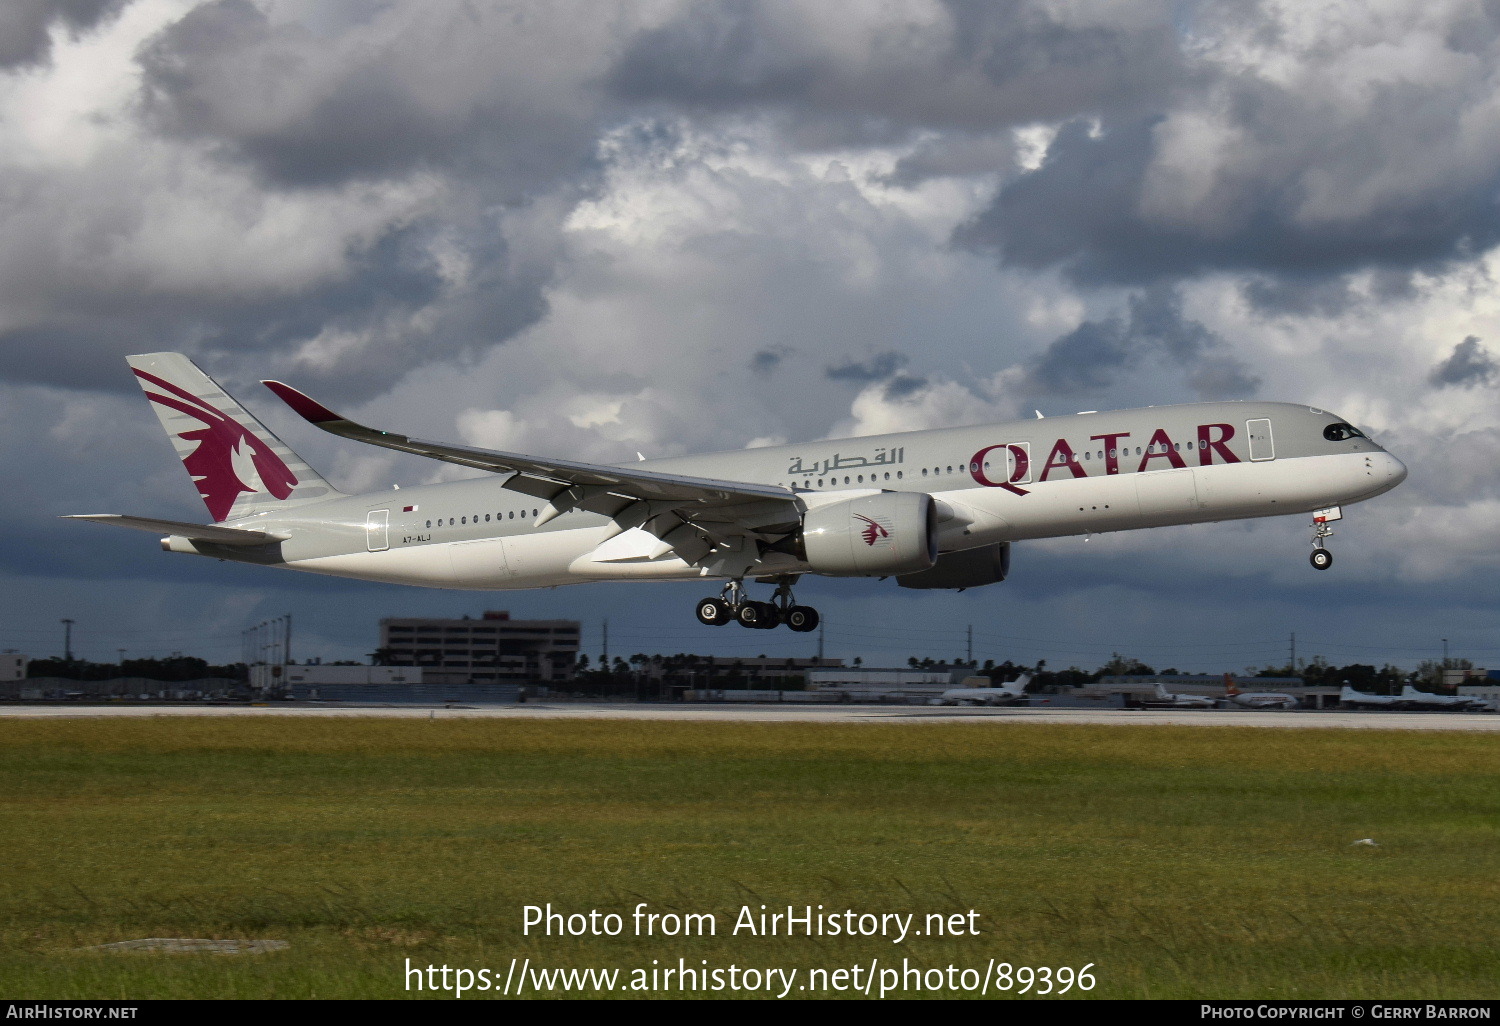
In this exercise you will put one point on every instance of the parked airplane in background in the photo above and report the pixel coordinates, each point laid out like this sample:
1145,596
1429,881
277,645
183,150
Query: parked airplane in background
1257,699
1003,694
933,509
1348,696
1178,700
1415,699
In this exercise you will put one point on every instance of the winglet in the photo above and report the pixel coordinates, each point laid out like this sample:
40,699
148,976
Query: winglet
305,406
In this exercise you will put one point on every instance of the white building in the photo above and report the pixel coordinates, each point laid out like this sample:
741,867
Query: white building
13,666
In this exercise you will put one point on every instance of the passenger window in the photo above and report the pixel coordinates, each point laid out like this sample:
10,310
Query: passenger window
429,523
861,479
898,475
1088,455
924,471
463,520
450,521
523,514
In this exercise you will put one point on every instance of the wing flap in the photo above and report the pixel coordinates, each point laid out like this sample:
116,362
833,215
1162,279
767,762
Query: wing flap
194,532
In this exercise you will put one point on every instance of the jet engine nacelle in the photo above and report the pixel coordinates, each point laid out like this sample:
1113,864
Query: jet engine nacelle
970,568
872,536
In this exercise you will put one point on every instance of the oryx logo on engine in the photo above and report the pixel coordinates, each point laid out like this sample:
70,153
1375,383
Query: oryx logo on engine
874,530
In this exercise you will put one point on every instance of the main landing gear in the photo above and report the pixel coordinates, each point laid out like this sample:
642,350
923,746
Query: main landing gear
734,604
1321,558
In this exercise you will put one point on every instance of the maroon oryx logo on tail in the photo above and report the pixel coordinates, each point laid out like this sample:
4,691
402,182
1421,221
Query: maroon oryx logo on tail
220,441
874,530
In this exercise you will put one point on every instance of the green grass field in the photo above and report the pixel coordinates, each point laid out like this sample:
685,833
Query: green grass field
1181,862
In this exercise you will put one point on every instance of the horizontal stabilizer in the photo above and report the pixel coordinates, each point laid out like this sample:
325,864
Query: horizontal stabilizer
195,532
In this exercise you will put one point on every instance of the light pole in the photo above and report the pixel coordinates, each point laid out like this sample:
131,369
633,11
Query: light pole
68,640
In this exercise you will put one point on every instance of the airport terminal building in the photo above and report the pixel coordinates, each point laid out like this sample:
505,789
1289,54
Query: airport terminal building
493,649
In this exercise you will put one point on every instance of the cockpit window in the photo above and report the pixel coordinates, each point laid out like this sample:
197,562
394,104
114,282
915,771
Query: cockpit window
1340,432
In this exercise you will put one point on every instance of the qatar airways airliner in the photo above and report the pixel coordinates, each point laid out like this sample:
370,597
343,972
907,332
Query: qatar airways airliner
933,509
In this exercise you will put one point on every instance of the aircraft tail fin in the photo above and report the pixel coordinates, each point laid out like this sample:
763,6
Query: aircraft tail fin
238,465
1230,687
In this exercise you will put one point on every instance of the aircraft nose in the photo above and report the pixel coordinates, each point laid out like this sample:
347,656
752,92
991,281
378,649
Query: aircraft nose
1395,470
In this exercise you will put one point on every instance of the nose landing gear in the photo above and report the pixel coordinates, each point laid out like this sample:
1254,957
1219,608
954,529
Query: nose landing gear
733,604
1321,558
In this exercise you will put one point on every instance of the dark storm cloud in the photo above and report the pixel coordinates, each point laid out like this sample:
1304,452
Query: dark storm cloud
862,372
1470,364
717,55
1329,297
26,25
986,66
903,386
767,360
1093,355
1306,193
387,286
307,111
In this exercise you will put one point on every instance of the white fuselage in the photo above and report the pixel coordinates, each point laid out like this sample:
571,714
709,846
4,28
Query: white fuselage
1042,478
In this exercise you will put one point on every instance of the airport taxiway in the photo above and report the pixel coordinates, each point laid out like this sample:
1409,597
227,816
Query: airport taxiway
746,713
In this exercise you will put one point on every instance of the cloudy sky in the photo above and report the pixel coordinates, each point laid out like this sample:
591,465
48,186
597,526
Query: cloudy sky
588,229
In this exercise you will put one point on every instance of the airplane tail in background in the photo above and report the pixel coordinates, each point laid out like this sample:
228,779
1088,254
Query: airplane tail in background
239,467
1230,687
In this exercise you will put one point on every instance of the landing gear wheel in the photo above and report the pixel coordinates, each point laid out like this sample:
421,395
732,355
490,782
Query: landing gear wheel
758,615
1321,559
802,619
714,612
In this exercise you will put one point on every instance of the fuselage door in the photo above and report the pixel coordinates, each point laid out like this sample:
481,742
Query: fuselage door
1003,464
1018,462
1262,445
378,530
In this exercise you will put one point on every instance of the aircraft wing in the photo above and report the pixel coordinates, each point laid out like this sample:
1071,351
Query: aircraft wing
195,532
690,515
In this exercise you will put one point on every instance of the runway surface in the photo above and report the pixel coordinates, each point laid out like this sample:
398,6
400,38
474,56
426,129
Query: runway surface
715,712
